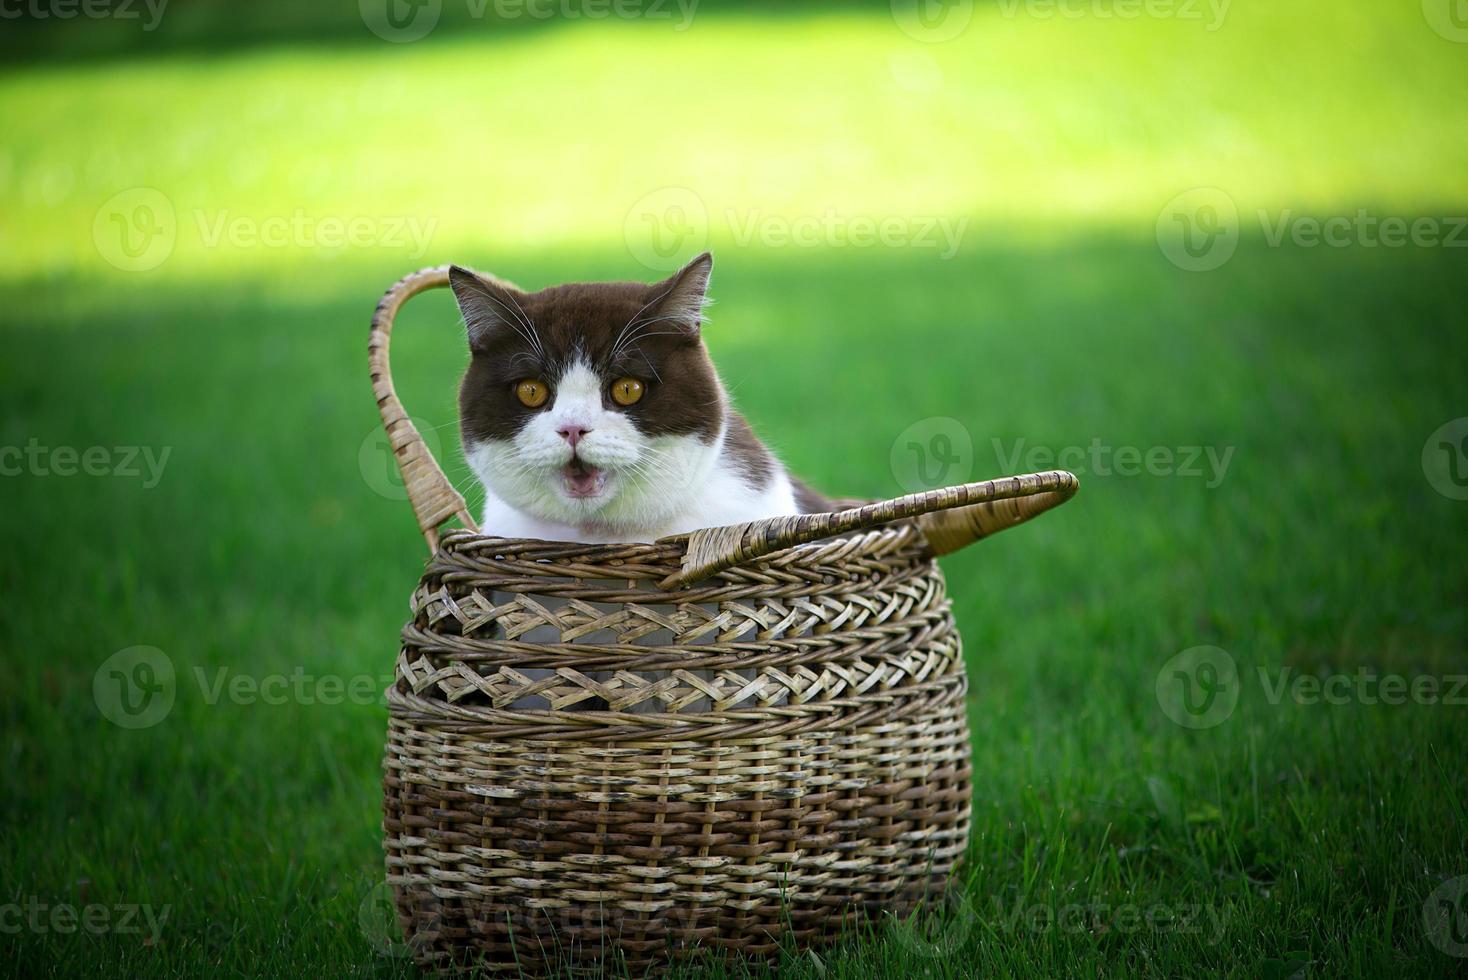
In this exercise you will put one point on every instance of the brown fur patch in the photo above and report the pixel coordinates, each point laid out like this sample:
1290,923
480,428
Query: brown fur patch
808,500
748,453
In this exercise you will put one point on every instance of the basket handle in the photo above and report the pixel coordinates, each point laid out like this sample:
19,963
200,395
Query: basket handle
950,518
433,497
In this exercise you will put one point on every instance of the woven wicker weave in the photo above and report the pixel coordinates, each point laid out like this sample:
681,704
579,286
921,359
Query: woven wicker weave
742,737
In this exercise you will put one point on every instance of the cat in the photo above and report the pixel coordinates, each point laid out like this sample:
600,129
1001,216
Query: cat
591,412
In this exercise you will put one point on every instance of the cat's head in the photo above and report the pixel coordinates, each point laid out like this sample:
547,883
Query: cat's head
590,404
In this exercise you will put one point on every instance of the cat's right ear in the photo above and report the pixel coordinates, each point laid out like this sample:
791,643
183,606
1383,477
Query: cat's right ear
681,298
488,308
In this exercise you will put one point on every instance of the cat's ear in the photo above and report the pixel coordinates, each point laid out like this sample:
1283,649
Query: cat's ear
681,298
489,309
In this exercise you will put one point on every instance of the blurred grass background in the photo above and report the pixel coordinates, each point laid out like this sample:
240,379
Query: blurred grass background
539,149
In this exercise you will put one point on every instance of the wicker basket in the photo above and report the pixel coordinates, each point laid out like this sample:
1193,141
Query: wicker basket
744,737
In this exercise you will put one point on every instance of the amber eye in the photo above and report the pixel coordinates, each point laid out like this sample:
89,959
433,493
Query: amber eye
532,394
626,391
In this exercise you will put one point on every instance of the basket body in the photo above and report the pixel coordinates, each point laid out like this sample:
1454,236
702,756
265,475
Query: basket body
584,769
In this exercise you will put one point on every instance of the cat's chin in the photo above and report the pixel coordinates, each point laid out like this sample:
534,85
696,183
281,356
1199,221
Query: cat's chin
582,481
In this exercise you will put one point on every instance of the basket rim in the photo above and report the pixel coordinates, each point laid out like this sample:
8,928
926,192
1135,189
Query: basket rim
459,539
638,573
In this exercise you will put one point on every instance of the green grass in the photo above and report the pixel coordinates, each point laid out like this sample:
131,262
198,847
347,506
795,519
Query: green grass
1298,837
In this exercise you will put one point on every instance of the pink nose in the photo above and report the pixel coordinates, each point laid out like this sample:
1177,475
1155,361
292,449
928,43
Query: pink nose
572,434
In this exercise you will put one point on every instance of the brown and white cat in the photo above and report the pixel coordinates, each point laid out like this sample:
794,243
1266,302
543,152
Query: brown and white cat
591,412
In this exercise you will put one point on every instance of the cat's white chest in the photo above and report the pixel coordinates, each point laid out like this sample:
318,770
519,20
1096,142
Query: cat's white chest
727,498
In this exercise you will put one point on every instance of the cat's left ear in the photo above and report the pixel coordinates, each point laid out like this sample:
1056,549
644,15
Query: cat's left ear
681,298
488,308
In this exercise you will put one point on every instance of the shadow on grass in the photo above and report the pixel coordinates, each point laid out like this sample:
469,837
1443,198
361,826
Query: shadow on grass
195,28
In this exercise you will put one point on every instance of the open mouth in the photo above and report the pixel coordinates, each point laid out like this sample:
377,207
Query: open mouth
583,479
